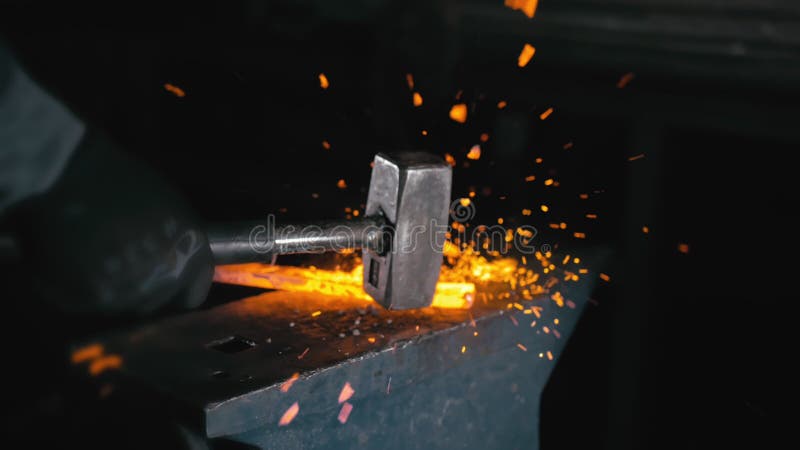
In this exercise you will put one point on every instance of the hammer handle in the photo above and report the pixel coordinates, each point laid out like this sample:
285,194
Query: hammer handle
256,241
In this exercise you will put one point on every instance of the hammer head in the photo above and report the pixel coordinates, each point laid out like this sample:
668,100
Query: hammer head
412,192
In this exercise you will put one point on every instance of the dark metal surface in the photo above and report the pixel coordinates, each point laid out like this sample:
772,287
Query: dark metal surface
412,190
426,378
261,240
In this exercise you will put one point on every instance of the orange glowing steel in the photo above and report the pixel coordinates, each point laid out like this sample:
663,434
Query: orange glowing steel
458,112
333,283
289,415
527,7
525,55
175,90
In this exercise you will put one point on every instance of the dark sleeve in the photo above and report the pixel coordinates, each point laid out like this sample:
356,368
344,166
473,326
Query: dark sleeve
37,134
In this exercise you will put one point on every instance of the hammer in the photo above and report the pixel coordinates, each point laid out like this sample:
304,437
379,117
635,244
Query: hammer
401,234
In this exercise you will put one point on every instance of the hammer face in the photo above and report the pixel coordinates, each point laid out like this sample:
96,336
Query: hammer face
412,191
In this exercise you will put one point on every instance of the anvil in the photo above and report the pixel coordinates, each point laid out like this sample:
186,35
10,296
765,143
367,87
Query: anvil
428,378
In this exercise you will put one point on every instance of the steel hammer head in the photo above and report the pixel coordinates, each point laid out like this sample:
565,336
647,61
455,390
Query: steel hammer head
411,190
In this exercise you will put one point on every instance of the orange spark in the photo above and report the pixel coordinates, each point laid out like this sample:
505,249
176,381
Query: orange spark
527,7
625,79
87,353
474,152
316,313
525,55
341,184
484,137
458,112
526,212
371,340
591,216
546,114
501,104
579,235
105,363
302,355
344,413
326,145
683,248
645,229
450,160
424,132
175,90
417,99
544,208
605,277
288,383
549,355
346,393
463,349
635,157
289,415
548,182
323,81
522,347
568,145
583,196
410,81
530,178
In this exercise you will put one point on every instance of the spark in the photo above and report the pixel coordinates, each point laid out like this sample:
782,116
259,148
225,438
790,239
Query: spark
484,137
645,229
568,145
502,104
450,160
683,248
175,90
424,132
87,353
591,216
302,355
323,81
605,277
417,99
530,178
344,413
371,340
316,313
625,79
525,55
583,196
463,349
635,157
545,208
548,182
289,415
474,152
104,363
549,355
458,112
346,393
410,81
341,184
514,320
527,7
288,383
579,235
546,114
526,212
522,347
326,145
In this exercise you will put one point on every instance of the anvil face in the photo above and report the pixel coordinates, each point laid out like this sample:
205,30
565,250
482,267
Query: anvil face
429,378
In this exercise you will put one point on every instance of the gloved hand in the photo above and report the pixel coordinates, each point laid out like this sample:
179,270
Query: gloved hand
110,237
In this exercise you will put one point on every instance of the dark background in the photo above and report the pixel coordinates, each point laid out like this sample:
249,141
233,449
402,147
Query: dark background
677,350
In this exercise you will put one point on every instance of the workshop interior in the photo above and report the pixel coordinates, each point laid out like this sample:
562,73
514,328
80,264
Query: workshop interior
568,223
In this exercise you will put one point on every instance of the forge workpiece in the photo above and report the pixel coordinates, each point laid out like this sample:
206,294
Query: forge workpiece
402,233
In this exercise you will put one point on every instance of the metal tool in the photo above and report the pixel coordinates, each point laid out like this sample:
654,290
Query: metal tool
401,234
